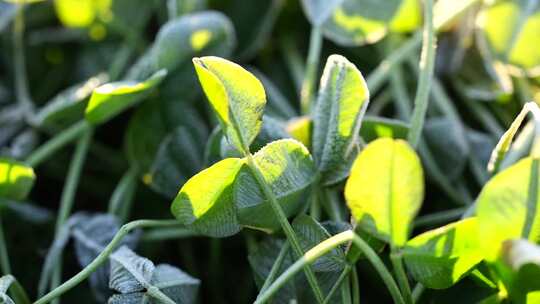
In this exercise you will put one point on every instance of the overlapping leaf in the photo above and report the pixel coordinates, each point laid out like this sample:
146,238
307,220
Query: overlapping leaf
385,189
521,268
439,258
343,99
237,97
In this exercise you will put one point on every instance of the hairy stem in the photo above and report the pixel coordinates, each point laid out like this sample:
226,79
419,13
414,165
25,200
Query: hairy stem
4,256
417,292
312,64
427,66
323,248
285,225
54,144
21,81
355,287
103,256
275,267
122,197
343,275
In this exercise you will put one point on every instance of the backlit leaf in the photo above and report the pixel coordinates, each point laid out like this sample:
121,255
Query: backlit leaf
205,202
343,99
16,179
288,169
385,189
507,207
439,258
237,97
110,99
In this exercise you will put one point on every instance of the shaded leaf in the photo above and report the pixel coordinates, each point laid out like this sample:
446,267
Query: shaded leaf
287,168
112,98
130,272
385,189
205,202
318,11
237,97
439,258
343,99
375,127
16,179
176,284
522,262
300,129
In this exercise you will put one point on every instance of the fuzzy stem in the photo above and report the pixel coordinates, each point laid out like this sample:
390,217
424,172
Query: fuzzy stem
103,256
21,81
312,64
323,248
344,275
54,144
275,267
4,256
417,292
355,287
285,225
122,197
397,262
427,67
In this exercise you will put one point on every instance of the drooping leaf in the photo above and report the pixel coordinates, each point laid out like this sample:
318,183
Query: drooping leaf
507,207
176,284
318,11
356,22
343,99
513,41
206,203
385,189
287,168
439,258
376,127
451,150
132,276
237,97
110,99
16,179
91,234
68,106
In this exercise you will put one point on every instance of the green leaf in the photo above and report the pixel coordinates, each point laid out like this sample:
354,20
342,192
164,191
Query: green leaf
68,106
288,169
386,189
5,283
16,179
357,22
507,207
300,129
318,11
521,262
439,258
450,151
374,127
129,272
514,41
111,99
206,203
176,284
82,13
343,99
237,97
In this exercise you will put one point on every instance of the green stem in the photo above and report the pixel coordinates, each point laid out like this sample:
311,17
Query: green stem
417,292
103,256
17,291
399,90
312,64
54,144
4,256
163,234
427,66
344,275
68,194
355,287
293,60
397,262
439,218
155,293
323,248
274,271
21,81
285,225
122,197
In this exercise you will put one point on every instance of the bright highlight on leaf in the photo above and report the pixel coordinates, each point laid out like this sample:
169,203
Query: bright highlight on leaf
82,13
439,258
236,96
205,202
507,207
110,99
385,189
343,99
16,179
